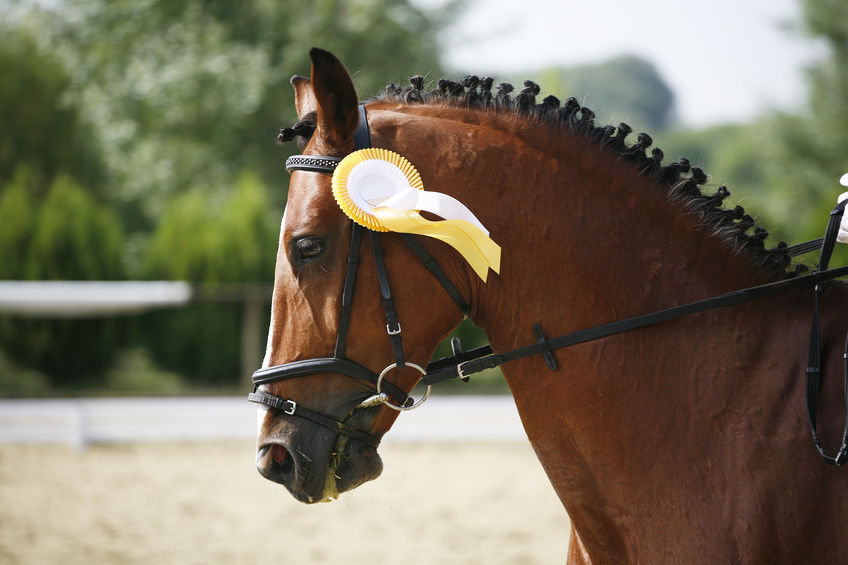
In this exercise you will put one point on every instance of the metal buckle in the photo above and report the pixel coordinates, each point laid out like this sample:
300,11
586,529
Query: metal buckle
390,331
290,411
461,374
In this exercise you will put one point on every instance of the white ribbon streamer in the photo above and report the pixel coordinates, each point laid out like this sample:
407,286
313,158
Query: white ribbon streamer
440,204
382,191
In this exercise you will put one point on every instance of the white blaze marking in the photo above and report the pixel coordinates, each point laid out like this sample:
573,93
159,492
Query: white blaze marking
262,411
269,344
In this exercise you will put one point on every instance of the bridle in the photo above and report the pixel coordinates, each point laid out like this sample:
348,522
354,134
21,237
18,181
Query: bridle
462,364
338,363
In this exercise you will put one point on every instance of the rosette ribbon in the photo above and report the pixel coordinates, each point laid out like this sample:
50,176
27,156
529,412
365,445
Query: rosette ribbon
381,190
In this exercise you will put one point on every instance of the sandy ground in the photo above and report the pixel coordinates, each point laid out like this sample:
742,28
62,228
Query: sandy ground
205,503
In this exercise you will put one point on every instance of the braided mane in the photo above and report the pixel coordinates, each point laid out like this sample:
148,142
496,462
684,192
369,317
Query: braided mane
681,179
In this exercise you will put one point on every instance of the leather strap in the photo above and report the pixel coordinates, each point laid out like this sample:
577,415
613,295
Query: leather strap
291,408
804,248
814,362
307,367
482,358
347,292
434,268
393,327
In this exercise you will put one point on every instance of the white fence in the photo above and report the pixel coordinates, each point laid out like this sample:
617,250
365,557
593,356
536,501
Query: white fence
83,421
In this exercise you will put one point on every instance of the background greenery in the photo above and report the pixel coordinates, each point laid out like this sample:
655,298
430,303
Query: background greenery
137,143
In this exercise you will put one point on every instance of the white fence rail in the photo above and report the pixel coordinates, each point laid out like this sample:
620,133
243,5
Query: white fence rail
83,421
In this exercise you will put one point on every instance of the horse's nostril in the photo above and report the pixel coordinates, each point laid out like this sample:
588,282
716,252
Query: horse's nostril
282,459
275,463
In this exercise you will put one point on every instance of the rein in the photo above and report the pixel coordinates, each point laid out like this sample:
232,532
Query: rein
463,364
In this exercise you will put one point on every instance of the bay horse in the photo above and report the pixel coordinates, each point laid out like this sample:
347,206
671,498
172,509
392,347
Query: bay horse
684,441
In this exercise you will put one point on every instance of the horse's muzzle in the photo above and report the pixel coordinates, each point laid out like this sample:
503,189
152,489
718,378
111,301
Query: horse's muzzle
312,462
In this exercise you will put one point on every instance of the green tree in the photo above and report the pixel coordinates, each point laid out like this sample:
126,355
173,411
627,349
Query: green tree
41,127
190,92
75,238
210,241
67,236
18,209
810,148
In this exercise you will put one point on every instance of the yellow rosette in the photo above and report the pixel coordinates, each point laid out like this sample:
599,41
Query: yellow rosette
382,191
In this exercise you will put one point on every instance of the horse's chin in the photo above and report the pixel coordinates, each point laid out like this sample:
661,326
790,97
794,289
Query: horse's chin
314,464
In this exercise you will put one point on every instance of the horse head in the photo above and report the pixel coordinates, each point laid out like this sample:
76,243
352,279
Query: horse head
318,432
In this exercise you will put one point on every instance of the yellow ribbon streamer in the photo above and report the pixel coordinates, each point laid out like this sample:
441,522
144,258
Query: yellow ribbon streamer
478,249
381,190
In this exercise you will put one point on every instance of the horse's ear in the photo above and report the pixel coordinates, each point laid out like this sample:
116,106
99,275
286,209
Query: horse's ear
338,113
304,97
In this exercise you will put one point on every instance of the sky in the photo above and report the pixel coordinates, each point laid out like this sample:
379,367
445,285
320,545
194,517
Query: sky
725,60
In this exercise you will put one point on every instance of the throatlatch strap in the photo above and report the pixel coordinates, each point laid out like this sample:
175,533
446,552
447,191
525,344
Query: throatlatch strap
434,268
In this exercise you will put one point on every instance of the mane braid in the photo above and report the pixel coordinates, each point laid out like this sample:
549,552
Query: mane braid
682,180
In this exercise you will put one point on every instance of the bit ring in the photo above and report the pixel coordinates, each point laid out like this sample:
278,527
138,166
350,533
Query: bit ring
414,404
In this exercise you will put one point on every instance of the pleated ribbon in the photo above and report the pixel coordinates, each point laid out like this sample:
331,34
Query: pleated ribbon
381,190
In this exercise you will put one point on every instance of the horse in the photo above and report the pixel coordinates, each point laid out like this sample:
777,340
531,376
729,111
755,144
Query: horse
681,441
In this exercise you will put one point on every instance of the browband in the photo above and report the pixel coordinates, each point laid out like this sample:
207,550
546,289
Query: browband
312,163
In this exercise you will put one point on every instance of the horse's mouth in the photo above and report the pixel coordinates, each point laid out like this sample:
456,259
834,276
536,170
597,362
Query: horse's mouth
318,470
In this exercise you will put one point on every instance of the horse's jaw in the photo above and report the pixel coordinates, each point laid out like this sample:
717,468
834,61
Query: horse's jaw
313,463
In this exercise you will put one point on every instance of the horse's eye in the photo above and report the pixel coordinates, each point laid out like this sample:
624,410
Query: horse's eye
309,248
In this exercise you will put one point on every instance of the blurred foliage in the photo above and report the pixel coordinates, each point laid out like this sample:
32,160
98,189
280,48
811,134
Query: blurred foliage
20,381
200,342
74,237
627,88
208,241
810,149
784,167
140,135
191,92
42,128
135,373
66,235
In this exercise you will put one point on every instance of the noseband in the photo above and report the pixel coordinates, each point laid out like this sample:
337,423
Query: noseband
338,363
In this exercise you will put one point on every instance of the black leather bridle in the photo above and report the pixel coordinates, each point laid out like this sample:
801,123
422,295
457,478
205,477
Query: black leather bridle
338,363
462,364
